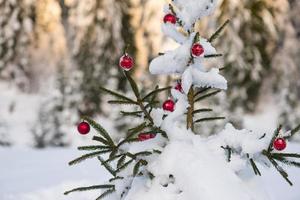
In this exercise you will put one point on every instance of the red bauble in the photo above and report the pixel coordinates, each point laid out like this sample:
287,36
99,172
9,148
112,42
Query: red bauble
170,18
197,50
126,62
178,87
83,128
279,144
146,136
169,105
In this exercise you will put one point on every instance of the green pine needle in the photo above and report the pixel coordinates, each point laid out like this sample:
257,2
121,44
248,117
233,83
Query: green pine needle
133,84
94,187
105,194
218,31
213,55
117,95
100,130
155,92
135,114
93,147
201,91
295,130
208,95
202,110
209,119
255,168
121,161
102,140
88,156
124,166
136,168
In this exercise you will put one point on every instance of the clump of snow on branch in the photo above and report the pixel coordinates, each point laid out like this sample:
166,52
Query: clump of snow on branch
189,11
177,62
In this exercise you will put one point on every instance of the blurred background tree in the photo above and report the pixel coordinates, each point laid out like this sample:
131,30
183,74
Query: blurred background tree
60,51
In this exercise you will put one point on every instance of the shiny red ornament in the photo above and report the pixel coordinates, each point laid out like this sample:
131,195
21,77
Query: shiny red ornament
279,144
169,105
126,62
197,50
170,18
83,128
146,136
178,87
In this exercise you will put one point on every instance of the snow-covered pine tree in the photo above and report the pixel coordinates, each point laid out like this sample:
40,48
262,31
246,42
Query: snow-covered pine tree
163,158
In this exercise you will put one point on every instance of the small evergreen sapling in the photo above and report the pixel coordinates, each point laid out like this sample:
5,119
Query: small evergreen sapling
139,163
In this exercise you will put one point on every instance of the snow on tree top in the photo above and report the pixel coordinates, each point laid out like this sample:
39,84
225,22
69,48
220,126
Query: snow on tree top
189,11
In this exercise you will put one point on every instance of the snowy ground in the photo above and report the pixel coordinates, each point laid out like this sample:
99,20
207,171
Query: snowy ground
27,174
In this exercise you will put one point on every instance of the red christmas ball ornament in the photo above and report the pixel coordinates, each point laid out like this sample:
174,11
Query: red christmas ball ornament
170,18
197,50
169,105
279,144
126,62
83,128
146,136
178,87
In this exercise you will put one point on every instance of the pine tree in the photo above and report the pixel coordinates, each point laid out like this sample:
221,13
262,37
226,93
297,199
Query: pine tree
163,157
16,33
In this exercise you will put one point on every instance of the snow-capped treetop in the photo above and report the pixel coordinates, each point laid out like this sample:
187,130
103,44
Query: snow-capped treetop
189,11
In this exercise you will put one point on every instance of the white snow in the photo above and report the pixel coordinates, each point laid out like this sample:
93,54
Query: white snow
45,175
189,11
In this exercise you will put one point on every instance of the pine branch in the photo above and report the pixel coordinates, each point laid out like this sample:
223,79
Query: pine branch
93,147
275,164
213,55
209,119
117,95
295,130
107,167
208,95
155,92
202,110
276,133
108,192
87,156
218,31
94,187
100,130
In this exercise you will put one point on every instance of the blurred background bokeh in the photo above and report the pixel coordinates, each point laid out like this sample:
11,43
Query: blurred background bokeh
55,53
